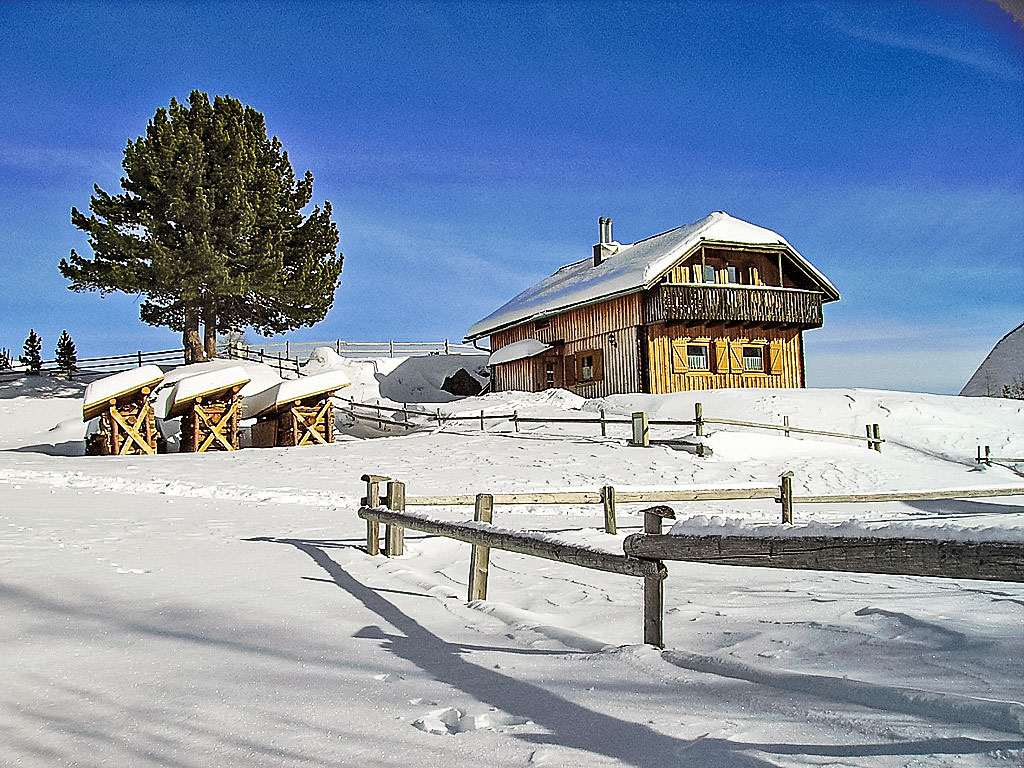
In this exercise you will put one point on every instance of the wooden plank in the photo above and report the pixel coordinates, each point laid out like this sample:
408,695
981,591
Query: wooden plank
520,542
967,493
711,494
654,607
568,497
787,429
608,498
992,561
394,535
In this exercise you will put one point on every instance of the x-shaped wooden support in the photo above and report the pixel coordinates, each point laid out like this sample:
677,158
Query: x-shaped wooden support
216,435
309,429
132,430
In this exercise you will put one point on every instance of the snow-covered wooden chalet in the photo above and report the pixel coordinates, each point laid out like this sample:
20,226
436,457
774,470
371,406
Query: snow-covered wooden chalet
717,303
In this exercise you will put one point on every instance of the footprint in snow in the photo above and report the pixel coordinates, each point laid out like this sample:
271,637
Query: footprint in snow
450,721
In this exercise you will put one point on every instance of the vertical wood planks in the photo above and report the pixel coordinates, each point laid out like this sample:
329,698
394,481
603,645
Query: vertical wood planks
608,500
394,535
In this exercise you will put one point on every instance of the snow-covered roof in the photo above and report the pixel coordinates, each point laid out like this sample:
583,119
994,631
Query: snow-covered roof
102,391
1003,365
636,267
211,384
286,392
518,350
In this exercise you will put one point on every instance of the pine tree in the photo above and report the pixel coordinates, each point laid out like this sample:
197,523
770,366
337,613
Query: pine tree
65,355
33,352
209,228
6,361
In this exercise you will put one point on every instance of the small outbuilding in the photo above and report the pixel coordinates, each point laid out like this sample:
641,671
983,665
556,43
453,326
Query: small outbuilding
127,425
717,303
210,408
295,412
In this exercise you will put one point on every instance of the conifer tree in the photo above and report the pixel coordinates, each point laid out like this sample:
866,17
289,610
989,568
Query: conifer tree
66,356
6,361
33,352
210,228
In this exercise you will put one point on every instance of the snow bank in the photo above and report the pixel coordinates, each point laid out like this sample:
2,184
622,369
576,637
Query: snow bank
1002,366
518,350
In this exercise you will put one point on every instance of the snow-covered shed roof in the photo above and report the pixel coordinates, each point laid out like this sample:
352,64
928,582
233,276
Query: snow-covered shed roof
636,267
274,398
100,392
211,385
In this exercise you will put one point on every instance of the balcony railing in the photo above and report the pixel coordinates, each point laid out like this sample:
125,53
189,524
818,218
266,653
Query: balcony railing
734,304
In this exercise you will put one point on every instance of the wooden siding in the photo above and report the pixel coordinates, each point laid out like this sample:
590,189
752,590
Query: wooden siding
733,303
664,375
590,327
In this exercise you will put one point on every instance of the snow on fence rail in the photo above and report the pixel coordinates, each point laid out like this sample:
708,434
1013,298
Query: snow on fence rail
645,554
110,363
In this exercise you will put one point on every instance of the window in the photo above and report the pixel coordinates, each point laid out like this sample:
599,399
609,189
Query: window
697,357
732,276
549,375
709,274
542,325
589,365
753,358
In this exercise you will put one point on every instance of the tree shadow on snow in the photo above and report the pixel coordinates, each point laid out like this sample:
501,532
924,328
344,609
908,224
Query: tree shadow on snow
571,725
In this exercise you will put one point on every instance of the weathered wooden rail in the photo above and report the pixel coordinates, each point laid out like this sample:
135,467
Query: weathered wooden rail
110,363
644,554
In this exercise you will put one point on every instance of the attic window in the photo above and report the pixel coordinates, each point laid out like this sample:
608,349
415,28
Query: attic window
542,325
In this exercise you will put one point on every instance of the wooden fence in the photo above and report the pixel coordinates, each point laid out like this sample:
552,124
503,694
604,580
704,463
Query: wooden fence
109,364
644,554
872,434
289,349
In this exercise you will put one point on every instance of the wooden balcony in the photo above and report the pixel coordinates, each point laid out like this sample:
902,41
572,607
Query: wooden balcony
734,304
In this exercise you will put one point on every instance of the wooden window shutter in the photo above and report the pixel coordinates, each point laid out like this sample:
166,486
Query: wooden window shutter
736,357
721,356
680,363
598,364
569,370
755,277
775,357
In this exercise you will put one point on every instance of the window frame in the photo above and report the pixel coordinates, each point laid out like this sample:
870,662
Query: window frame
596,366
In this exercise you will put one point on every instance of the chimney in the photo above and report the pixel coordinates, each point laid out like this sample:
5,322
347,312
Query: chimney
604,248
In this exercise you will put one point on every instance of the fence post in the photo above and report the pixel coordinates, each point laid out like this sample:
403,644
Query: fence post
481,421
394,535
515,421
261,354
480,557
785,423
380,421
641,430
698,417
287,349
608,499
604,427
654,584
786,496
372,500
877,435
871,445
391,347
446,348
988,452
438,418
140,358
339,347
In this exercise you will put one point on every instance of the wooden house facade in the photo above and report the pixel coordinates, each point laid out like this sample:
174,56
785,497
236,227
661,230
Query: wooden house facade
718,303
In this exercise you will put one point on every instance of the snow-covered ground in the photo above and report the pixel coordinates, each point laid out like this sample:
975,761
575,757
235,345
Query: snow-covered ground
217,609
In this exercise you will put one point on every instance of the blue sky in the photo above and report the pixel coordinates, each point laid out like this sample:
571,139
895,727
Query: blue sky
469,149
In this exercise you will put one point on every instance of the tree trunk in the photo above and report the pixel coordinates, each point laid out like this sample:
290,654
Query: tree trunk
210,328
190,336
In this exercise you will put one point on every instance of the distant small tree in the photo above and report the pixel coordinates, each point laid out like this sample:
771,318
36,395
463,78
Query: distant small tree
1015,389
6,361
66,356
33,356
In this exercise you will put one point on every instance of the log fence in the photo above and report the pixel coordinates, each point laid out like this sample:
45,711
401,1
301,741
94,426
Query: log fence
644,554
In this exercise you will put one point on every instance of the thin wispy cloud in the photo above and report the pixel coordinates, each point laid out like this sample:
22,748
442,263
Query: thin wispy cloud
940,47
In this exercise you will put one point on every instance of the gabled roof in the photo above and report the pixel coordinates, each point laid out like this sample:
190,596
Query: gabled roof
636,267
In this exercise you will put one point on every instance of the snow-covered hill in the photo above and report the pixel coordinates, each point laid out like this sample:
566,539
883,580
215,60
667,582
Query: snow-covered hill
1003,366
217,609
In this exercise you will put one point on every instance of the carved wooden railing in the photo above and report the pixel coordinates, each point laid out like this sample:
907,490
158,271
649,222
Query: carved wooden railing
734,303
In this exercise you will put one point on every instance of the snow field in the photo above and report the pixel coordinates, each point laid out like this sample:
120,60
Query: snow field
217,609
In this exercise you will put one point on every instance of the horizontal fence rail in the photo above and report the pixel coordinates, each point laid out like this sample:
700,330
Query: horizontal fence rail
366,348
514,541
108,363
994,561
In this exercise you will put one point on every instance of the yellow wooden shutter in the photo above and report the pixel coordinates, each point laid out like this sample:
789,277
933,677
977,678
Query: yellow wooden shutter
721,356
775,357
679,362
736,357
